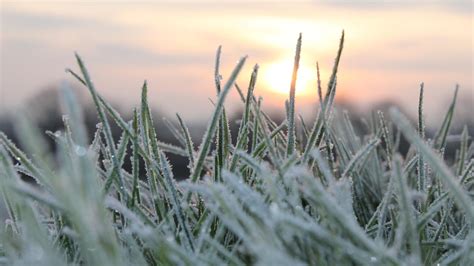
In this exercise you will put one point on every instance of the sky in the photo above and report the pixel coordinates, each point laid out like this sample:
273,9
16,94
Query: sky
390,48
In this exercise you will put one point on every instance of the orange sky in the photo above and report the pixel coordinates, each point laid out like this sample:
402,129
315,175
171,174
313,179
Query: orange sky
390,48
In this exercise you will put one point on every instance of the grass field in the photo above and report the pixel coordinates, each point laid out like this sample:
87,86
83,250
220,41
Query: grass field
317,193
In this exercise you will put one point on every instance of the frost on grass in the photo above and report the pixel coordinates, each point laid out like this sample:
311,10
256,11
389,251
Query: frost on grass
271,198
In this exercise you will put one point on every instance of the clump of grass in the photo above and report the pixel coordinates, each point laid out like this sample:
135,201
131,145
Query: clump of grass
327,197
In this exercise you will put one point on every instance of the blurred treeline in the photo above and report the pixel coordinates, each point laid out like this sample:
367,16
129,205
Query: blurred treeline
46,113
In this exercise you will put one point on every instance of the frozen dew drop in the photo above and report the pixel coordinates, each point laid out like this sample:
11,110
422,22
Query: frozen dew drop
9,222
207,179
36,252
80,151
331,145
418,196
274,209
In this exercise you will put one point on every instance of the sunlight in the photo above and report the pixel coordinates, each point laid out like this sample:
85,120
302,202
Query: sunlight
277,77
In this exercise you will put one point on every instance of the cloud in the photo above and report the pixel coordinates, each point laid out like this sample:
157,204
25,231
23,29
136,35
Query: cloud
415,55
461,6
129,54
30,21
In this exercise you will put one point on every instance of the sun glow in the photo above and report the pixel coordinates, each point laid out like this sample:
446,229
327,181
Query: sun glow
277,77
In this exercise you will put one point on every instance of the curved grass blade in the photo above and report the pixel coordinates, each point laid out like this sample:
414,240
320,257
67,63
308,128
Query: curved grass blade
135,162
444,174
168,175
360,156
407,211
441,135
421,182
291,107
317,130
211,128
107,130
189,141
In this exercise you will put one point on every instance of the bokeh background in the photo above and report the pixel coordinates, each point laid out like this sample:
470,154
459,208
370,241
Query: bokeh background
391,47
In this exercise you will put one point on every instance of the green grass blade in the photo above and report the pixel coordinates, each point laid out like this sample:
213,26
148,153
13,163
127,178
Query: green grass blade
135,199
217,76
105,122
291,107
407,211
317,130
168,175
211,128
440,139
359,157
189,141
444,174
421,182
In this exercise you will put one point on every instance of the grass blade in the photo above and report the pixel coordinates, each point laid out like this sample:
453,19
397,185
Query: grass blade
291,107
211,128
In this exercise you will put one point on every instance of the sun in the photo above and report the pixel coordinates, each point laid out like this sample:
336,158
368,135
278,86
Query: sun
277,77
